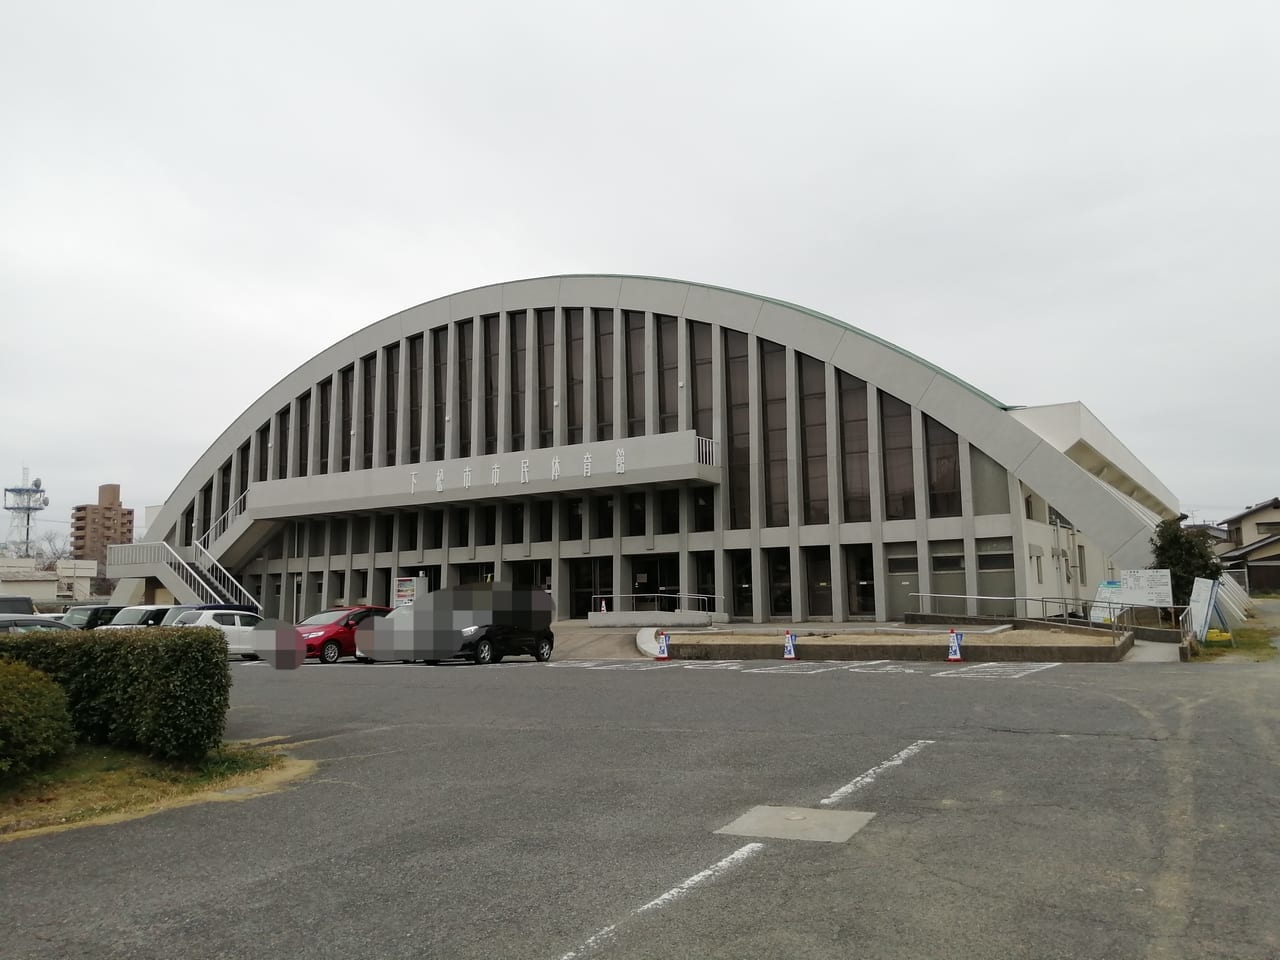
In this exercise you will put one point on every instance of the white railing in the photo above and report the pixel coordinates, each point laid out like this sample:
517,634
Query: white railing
161,552
221,578
663,602
708,452
219,526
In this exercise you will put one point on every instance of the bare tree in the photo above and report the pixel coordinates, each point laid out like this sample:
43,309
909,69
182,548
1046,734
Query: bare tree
50,548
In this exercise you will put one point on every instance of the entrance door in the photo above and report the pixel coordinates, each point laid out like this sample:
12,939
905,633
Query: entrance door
590,578
860,583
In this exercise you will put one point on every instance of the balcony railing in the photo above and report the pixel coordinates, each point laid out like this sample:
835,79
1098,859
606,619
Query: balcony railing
708,452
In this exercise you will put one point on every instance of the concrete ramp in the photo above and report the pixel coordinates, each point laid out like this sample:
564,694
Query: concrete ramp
577,641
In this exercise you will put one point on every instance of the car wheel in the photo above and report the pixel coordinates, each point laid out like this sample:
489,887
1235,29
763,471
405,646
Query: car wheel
543,651
249,656
330,652
432,663
484,651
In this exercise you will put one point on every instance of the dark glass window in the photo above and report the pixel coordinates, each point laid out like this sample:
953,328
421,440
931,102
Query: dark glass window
633,327
466,353
668,511
571,514
546,376
895,454
737,389
384,533
304,433
491,392
773,397
668,373
517,321
703,503
360,537
602,507
409,531
459,527
439,388
391,403
700,369
338,536
282,444
368,397
942,460
346,413
416,345
242,477
264,452
855,467
604,374
434,535
326,419
817,563
487,525
635,514
543,514
812,387
777,566
515,523
574,360
224,500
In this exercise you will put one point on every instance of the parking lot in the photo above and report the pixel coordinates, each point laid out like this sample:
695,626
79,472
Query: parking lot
572,809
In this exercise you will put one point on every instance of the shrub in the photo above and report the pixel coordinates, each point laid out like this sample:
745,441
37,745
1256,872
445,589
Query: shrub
35,726
162,690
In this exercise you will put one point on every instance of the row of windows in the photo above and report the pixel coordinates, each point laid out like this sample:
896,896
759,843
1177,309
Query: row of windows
374,383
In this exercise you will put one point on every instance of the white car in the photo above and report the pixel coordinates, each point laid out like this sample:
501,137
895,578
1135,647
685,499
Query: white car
236,626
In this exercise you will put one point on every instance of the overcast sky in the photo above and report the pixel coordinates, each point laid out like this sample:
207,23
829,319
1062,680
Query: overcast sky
1053,201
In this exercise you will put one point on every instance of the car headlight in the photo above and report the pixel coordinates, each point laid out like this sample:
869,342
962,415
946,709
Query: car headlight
313,634
470,631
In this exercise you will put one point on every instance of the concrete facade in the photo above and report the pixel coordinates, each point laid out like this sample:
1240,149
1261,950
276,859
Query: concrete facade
651,445
96,526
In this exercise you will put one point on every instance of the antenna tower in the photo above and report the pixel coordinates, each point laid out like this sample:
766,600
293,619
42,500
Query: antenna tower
23,503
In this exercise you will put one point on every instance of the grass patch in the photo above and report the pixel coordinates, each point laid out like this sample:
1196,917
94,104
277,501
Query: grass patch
1252,643
94,781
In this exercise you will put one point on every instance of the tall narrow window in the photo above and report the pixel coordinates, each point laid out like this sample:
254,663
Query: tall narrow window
491,384
415,398
812,376
895,455
304,433
466,352
990,484
439,390
700,368
391,403
633,327
517,321
773,397
942,460
264,453
242,475
737,389
546,376
604,374
282,444
368,397
668,373
574,371
346,415
855,470
326,419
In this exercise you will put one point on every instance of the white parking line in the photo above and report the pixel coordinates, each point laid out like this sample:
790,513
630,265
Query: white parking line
857,783
996,671
672,895
801,667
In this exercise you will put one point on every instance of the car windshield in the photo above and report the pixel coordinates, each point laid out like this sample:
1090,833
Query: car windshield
328,616
403,612
188,616
76,617
133,614
172,616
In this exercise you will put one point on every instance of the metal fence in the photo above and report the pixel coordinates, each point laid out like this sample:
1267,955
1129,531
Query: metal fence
663,602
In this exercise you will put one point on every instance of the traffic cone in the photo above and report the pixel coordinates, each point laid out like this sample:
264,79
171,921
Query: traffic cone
953,648
603,608
663,651
789,646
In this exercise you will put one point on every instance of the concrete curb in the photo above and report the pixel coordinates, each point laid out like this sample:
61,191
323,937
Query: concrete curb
647,642
975,653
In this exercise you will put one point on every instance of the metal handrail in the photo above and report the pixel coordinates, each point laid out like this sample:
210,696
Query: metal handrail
219,526
1118,613
223,579
708,452
160,551
704,600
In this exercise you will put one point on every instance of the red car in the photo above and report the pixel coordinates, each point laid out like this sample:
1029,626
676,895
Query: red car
331,634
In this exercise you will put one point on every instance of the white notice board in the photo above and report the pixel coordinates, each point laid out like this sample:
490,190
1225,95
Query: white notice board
1146,588
1203,595
1106,602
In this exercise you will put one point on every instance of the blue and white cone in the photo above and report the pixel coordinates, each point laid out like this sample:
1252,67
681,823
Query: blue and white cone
789,646
663,652
953,650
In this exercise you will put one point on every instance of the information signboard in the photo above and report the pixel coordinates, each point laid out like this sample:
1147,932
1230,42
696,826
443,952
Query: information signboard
1106,602
1203,595
1146,588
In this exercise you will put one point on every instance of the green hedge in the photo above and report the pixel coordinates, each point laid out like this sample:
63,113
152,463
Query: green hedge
35,726
162,690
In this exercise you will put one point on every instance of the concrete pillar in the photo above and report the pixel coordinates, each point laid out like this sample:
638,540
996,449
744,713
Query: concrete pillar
290,454
875,474
840,602
969,527
451,425
477,388
401,426
685,573
588,375
921,476
559,407
650,375
759,588
504,382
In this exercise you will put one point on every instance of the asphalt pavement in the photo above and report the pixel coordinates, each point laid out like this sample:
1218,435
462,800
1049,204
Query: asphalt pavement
570,810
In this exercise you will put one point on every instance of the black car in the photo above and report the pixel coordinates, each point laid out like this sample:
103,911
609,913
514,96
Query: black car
481,622
89,616
21,623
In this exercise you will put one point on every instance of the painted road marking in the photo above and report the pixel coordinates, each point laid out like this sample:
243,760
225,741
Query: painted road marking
802,666
672,895
997,671
865,779
631,665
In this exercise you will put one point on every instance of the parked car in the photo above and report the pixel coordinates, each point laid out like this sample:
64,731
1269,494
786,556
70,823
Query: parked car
143,615
17,605
89,616
21,623
480,622
236,625
330,634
